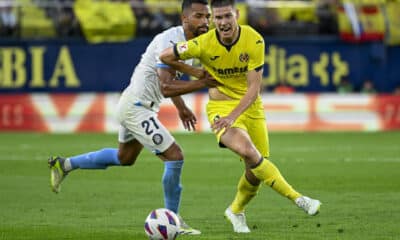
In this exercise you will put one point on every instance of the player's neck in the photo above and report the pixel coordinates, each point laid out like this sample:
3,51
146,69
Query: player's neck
233,39
188,34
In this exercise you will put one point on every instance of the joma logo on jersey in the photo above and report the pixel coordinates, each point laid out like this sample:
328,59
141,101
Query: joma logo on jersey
229,71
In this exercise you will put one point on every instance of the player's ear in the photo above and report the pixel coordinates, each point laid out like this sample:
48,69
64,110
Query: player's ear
237,13
184,18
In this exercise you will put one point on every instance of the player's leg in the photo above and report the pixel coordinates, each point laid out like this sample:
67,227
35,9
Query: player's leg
248,184
155,137
171,180
247,189
271,176
258,132
125,155
239,141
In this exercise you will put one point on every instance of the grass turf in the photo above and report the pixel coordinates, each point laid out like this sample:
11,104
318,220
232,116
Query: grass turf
355,175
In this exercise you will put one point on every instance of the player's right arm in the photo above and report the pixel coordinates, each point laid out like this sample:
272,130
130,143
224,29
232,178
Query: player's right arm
171,86
172,56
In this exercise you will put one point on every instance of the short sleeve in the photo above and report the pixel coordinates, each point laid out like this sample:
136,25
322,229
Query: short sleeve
188,49
257,54
163,41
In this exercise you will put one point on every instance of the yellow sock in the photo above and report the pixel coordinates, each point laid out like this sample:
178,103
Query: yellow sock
245,192
270,175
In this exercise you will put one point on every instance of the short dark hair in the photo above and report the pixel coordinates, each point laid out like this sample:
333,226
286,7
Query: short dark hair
222,3
186,4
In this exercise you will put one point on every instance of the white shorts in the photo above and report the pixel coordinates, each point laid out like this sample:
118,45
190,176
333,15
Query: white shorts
142,123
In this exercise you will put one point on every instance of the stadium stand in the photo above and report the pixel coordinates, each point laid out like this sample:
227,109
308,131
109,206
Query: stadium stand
97,21
34,21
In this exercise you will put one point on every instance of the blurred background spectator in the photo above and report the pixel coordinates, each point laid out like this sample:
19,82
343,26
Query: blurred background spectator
65,22
8,21
368,87
345,86
284,88
365,21
397,91
152,16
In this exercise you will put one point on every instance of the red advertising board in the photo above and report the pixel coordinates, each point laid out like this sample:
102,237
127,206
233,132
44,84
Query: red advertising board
68,113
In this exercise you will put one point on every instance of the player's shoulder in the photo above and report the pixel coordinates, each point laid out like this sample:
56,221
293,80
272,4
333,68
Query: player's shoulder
251,34
249,30
173,34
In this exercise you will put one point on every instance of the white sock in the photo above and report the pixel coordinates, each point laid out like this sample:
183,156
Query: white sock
67,165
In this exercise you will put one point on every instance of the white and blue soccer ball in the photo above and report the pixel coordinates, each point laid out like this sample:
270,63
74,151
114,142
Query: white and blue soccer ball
162,224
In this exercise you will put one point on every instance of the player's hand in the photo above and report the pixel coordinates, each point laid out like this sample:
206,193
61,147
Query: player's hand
209,80
222,123
188,119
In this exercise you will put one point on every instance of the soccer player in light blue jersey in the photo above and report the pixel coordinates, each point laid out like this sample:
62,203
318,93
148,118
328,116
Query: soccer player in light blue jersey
137,113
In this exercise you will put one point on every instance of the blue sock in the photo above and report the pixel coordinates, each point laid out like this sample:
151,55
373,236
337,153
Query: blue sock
172,184
96,160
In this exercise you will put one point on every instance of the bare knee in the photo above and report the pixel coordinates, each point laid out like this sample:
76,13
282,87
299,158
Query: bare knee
126,158
128,152
250,155
174,152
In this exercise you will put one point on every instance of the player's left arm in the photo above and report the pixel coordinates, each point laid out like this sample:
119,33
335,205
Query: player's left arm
186,115
166,76
254,81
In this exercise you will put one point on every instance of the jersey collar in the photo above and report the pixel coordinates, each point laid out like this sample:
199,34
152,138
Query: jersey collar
228,47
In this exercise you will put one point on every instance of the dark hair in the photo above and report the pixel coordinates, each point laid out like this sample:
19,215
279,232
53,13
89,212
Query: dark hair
222,3
188,3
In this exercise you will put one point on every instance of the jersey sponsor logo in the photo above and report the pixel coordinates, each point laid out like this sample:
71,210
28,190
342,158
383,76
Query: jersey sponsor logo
230,71
157,139
214,58
244,57
182,47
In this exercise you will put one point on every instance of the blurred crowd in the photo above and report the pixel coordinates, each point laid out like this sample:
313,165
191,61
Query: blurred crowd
119,20
58,18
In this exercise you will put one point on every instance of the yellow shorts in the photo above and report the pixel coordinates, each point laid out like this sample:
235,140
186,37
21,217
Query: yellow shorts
252,121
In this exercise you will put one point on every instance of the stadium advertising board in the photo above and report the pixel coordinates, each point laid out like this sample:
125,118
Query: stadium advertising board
308,65
69,113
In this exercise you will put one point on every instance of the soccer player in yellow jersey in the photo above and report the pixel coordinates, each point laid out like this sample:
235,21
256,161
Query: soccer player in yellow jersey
234,55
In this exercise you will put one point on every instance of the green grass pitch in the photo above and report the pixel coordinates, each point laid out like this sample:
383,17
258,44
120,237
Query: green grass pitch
355,175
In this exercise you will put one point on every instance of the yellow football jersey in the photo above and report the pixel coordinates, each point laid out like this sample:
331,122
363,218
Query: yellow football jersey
227,64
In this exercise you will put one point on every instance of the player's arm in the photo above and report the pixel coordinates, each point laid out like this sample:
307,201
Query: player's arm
167,75
254,81
186,115
170,56
170,86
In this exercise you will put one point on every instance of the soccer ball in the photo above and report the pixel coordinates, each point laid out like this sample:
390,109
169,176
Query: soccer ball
162,224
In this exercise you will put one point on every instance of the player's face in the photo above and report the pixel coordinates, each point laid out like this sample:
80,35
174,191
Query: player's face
198,19
225,20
